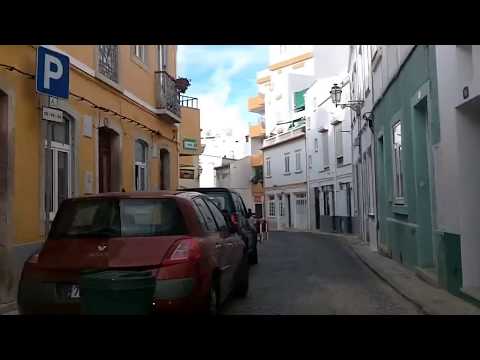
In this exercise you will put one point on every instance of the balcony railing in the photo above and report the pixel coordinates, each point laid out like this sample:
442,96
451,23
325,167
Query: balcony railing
188,101
284,136
167,95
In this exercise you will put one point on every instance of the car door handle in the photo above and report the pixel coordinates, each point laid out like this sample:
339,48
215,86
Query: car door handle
218,245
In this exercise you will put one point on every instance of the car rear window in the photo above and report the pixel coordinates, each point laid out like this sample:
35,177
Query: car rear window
221,199
118,218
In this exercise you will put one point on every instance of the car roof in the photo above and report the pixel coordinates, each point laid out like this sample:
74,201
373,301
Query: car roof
139,195
211,189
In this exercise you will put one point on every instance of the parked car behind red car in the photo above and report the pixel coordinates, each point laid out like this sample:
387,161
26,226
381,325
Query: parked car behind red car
182,237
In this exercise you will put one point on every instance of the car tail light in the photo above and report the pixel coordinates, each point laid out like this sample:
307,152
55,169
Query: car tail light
234,218
33,259
187,250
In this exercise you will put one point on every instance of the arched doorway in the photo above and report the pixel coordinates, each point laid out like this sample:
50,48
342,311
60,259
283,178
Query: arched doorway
164,169
108,160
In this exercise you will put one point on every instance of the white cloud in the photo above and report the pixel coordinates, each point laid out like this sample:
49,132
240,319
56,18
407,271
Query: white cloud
220,108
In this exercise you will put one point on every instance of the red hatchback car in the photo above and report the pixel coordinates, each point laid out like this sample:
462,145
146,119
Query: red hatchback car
182,237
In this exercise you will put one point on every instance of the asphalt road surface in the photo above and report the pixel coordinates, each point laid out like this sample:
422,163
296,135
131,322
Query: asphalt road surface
305,274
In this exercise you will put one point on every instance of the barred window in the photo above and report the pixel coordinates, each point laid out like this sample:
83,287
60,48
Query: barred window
108,61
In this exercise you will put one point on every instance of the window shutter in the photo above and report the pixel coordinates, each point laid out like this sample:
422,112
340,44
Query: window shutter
299,100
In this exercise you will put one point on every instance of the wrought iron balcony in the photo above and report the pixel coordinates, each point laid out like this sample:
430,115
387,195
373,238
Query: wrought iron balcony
167,95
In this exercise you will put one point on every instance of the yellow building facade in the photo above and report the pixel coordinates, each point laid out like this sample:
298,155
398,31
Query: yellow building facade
191,148
119,132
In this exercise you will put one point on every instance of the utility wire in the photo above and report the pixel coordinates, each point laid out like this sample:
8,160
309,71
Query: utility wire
91,103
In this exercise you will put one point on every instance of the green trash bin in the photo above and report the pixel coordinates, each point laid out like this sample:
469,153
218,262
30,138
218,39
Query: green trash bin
117,292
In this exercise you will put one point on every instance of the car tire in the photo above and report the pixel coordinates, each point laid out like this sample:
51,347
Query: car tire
242,285
253,256
213,299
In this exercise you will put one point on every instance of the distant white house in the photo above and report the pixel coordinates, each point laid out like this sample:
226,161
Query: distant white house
329,158
236,175
220,143
285,180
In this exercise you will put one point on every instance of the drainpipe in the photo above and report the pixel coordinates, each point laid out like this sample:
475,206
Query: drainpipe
372,128
307,178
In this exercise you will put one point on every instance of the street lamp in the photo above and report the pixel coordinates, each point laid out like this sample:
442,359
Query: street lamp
336,95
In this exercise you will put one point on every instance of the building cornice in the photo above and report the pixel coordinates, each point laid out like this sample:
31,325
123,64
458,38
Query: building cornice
291,61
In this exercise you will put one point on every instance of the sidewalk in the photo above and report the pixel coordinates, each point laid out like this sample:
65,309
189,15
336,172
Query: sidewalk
8,309
429,299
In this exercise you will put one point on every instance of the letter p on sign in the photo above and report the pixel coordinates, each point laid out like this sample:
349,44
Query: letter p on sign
52,73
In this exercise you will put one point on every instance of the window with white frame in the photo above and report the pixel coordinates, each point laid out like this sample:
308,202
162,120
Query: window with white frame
162,57
271,206
315,144
58,163
141,156
371,186
139,52
309,161
287,163
268,169
298,160
108,61
397,163
339,144
326,157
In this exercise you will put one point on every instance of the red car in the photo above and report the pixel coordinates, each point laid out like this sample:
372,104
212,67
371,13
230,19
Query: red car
182,237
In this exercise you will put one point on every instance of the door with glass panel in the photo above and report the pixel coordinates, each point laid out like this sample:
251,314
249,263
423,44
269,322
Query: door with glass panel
58,154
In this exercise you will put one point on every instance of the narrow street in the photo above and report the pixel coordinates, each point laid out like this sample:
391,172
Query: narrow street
303,273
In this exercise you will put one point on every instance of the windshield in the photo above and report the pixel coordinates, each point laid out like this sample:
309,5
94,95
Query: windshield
222,200
118,218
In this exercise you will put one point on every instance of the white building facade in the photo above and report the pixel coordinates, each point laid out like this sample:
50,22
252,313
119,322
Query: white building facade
455,157
329,159
220,143
285,184
362,59
236,175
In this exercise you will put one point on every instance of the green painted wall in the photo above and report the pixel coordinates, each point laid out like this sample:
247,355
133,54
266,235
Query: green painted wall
449,262
412,98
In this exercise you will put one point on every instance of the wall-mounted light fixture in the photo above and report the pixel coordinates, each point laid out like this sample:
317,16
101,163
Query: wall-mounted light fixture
336,95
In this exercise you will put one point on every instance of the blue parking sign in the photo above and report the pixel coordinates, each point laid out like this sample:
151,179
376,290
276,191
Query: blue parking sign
53,73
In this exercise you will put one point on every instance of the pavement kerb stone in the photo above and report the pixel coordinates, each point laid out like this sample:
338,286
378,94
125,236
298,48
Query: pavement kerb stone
428,299
7,308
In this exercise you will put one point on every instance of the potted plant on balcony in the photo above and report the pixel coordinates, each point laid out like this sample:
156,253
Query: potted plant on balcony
182,84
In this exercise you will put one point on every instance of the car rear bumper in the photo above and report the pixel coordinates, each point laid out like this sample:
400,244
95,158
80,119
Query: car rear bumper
179,296
171,296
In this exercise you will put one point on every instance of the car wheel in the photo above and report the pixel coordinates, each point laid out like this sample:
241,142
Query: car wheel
241,288
253,256
213,300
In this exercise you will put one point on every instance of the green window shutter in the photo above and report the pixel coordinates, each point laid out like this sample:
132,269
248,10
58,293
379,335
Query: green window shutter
299,100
